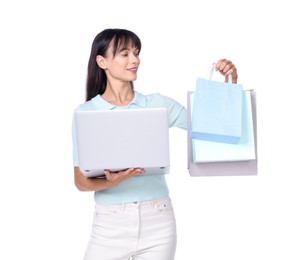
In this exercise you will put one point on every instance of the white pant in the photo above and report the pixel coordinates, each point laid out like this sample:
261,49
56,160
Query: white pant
139,231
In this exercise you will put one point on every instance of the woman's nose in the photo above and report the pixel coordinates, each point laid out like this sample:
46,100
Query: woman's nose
135,59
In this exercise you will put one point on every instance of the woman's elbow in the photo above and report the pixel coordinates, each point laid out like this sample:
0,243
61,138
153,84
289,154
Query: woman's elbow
78,180
79,186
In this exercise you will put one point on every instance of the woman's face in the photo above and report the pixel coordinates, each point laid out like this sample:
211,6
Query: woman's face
122,66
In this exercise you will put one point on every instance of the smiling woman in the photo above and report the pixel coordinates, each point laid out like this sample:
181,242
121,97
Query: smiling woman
129,203
115,52
45,47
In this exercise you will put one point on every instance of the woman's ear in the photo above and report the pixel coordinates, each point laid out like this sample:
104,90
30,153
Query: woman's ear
100,61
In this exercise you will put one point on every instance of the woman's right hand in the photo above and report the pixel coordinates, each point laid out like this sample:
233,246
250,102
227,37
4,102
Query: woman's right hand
84,183
117,177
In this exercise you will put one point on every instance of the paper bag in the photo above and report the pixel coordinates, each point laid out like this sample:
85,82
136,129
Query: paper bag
206,151
232,168
217,111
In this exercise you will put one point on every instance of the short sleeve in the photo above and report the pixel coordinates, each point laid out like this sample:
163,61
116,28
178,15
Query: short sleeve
177,113
74,144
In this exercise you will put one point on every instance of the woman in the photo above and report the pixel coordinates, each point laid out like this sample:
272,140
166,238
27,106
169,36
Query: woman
134,217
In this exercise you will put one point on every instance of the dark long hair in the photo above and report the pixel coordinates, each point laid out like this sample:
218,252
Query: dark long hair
96,78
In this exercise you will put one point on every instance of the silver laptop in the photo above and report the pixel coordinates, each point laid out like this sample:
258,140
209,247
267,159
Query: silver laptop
119,139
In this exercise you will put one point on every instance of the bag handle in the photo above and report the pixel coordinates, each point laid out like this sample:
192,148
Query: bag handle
213,69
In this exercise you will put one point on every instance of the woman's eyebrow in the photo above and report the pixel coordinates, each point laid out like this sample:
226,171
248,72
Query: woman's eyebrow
127,48
124,49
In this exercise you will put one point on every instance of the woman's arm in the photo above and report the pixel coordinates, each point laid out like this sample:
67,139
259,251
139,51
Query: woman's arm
84,183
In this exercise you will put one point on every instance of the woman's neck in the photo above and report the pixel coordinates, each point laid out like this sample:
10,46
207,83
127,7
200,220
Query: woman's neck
118,96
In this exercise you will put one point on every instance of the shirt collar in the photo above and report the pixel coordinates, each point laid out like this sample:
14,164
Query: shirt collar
139,100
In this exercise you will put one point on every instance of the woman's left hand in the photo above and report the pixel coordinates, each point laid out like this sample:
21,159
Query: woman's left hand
226,67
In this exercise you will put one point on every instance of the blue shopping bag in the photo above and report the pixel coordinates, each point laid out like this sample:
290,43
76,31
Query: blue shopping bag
244,150
217,111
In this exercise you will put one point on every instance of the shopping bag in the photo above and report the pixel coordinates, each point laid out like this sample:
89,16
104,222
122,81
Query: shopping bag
224,168
206,151
217,111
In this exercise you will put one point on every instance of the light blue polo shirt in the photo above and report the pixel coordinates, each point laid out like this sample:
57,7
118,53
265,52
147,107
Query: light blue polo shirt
143,187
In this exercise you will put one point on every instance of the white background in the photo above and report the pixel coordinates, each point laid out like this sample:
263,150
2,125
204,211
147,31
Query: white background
44,51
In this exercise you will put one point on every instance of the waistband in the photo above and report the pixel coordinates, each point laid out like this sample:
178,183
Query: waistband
135,204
